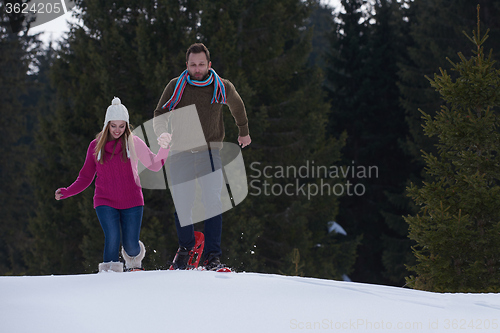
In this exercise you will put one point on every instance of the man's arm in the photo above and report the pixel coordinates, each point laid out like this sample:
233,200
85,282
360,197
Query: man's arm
237,108
161,115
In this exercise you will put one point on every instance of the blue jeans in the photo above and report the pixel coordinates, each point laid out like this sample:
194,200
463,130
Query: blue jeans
185,166
114,222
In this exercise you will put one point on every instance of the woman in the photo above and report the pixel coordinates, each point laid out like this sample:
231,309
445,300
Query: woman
113,156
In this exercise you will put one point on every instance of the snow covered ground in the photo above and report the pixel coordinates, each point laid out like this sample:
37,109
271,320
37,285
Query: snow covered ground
196,301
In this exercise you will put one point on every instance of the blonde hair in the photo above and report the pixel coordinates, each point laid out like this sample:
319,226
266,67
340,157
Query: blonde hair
103,137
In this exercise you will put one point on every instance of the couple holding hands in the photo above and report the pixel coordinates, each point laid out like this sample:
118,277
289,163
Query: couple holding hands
112,159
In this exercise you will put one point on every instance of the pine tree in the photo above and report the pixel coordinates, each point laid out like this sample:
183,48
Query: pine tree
434,32
457,229
344,63
322,22
17,52
383,135
362,85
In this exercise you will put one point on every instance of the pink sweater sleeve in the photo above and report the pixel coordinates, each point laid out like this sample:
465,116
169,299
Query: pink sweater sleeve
85,177
148,159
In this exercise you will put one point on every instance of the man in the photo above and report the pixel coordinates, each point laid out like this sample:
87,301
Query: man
200,85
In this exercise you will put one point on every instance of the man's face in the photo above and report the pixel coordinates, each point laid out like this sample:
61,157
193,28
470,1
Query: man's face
197,65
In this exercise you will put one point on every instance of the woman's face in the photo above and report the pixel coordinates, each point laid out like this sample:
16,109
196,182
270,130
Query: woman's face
116,128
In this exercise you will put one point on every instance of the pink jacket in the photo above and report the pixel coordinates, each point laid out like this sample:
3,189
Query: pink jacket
117,184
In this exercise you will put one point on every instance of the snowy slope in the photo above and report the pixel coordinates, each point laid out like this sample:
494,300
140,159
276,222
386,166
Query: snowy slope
195,301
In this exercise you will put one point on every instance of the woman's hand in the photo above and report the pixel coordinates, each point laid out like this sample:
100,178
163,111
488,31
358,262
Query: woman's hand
58,194
164,140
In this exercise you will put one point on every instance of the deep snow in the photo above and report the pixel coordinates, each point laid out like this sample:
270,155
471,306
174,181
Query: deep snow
196,301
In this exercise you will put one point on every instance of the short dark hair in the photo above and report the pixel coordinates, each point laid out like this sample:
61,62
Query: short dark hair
198,48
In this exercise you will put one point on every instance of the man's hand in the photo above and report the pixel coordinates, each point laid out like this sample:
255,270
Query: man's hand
244,141
164,140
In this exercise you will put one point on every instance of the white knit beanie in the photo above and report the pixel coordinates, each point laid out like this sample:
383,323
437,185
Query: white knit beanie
116,111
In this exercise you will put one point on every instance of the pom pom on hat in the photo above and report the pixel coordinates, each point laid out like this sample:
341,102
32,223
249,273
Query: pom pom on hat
116,111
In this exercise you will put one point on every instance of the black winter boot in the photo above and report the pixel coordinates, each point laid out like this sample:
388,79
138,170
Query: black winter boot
212,262
181,258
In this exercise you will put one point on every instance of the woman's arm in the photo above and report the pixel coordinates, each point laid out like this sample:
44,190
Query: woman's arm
148,159
85,177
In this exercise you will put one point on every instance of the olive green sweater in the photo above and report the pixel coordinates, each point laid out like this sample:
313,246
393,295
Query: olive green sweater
210,114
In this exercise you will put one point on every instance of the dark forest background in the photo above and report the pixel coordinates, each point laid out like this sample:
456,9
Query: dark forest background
338,87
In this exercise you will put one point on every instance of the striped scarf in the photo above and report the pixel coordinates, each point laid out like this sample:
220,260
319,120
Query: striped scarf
219,89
